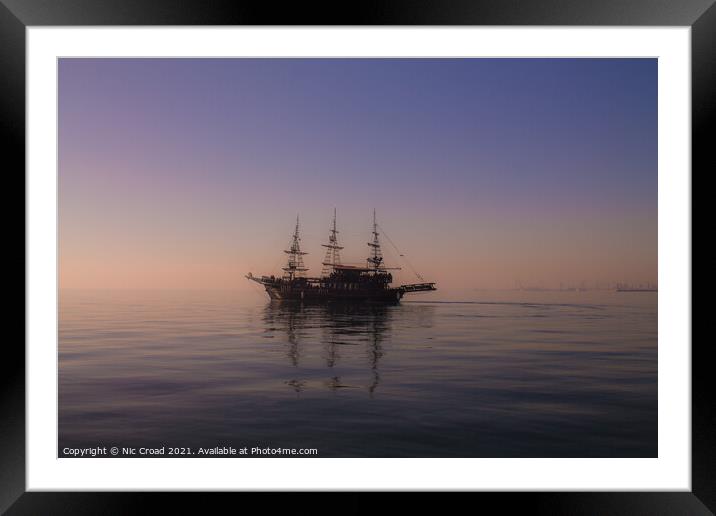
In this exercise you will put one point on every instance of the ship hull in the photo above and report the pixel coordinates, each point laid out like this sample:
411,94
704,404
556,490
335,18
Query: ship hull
329,295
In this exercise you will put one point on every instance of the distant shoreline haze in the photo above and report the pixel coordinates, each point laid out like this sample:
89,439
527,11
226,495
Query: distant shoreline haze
486,173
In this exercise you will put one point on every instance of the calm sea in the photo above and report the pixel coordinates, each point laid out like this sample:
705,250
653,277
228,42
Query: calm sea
497,374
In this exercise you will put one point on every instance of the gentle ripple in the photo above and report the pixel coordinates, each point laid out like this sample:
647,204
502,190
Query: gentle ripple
507,374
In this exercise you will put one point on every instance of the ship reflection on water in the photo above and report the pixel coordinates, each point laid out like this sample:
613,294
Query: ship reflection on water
338,334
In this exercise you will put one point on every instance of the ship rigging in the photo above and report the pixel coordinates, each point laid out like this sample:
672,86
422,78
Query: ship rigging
338,282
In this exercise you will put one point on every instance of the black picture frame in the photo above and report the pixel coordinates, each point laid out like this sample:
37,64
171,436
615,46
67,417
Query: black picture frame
17,15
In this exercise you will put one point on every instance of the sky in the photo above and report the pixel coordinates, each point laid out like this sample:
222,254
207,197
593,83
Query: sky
484,173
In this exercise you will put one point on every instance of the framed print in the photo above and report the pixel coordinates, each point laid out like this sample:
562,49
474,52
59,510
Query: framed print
421,249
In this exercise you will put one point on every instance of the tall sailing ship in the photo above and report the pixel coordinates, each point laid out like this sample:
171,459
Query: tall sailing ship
338,282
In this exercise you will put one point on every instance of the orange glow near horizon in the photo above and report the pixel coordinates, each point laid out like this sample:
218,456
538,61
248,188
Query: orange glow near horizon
486,173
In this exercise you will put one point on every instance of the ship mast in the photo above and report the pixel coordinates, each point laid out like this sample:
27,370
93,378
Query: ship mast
375,259
294,267
333,257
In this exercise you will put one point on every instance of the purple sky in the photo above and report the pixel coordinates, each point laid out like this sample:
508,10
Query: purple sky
188,173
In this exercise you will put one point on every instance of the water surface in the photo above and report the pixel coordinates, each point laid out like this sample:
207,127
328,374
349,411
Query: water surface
500,374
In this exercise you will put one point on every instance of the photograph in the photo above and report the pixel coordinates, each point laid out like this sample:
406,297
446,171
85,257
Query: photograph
357,257
407,249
